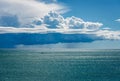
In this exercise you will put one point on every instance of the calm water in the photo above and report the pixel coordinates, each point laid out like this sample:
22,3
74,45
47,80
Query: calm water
37,65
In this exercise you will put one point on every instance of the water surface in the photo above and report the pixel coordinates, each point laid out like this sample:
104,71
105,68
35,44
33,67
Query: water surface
75,65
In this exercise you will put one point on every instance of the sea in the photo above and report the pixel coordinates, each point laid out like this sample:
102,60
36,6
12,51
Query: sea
59,65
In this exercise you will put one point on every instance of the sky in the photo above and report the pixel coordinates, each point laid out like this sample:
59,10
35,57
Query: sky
83,24
105,11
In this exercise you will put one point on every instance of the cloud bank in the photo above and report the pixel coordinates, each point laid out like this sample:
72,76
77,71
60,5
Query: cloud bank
56,23
32,22
11,40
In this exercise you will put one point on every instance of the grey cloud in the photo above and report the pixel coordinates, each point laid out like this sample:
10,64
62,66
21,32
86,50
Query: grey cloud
9,20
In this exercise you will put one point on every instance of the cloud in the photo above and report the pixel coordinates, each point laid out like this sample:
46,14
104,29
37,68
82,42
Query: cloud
118,20
27,10
32,22
54,28
9,20
46,38
55,21
48,1
108,34
10,40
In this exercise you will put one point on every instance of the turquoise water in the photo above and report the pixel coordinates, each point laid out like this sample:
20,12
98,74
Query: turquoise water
39,65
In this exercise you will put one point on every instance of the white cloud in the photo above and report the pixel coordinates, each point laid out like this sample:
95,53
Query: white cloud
26,10
104,34
108,34
118,20
56,21
77,23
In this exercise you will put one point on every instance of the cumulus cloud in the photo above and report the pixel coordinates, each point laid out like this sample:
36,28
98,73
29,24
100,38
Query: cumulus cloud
26,10
56,21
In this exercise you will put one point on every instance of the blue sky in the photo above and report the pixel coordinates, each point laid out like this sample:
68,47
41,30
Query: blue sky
105,11
84,24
